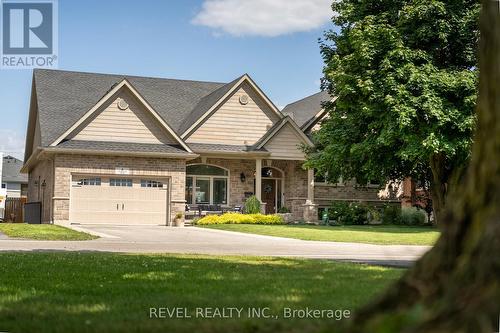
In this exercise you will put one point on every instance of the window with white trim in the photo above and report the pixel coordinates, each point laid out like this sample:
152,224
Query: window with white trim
89,181
124,182
151,183
206,184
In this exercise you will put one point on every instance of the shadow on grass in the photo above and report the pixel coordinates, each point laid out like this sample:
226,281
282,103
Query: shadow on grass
369,228
105,292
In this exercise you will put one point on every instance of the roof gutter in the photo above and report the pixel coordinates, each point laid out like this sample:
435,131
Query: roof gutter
54,150
186,156
35,155
242,154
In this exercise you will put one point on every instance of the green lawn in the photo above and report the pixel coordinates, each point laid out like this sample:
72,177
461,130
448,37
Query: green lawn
358,234
42,232
104,292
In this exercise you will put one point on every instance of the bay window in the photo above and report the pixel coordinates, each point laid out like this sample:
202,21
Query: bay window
206,184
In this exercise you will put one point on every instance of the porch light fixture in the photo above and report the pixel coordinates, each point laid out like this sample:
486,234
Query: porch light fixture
243,177
44,184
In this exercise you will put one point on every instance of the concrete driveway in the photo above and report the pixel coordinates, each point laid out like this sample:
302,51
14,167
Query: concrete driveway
192,240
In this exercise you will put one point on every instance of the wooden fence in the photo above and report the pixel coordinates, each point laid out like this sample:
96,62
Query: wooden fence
14,208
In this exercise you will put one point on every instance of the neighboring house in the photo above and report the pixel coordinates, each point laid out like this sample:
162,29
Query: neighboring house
308,114
122,149
15,183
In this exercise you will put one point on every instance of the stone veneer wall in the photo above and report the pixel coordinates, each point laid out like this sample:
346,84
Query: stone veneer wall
325,194
43,171
56,195
66,165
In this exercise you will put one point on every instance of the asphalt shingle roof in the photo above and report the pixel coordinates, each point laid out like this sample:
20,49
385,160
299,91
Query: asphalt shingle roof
306,108
11,170
64,97
121,147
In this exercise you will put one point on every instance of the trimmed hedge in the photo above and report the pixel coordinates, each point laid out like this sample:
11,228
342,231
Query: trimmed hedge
235,218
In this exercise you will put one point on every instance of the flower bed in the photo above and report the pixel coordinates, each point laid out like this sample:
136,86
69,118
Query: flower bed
235,218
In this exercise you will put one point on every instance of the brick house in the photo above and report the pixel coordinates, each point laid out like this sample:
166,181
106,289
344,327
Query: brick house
120,149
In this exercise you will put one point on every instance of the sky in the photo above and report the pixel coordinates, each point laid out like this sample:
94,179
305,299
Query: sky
274,41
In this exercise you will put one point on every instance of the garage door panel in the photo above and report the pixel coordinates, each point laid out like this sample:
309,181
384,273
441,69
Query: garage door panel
119,204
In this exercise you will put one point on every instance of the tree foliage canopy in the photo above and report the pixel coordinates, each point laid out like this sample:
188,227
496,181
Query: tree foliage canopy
405,74
455,287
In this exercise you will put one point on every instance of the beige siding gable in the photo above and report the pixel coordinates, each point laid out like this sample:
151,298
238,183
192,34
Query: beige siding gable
37,137
286,144
134,124
234,123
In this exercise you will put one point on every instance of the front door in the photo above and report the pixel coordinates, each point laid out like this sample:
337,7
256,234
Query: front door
269,195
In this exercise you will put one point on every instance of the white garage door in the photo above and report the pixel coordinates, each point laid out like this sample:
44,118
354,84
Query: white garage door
118,200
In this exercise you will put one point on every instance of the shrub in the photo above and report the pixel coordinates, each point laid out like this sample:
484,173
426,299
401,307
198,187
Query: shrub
252,205
374,214
348,213
412,216
391,214
338,210
235,218
283,210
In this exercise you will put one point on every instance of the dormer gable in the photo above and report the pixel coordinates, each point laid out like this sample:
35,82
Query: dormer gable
122,115
240,117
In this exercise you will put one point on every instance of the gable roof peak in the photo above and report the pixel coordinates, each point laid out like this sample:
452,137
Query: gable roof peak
117,87
277,127
209,103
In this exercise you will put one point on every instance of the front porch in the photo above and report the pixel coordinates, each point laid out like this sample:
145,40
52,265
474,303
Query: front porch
228,182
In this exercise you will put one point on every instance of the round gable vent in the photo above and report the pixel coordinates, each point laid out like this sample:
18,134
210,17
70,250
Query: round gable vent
244,99
122,105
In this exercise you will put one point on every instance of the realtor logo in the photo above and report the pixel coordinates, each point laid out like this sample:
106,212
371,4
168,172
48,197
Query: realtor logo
29,33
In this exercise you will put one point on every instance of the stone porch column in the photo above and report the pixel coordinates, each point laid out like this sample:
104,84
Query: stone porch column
310,208
310,186
258,183
258,179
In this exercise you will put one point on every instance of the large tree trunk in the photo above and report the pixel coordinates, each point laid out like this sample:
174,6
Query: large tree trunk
438,185
444,181
455,287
